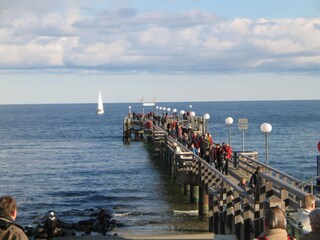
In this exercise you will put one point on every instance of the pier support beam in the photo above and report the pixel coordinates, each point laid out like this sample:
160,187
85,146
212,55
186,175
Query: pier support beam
203,204
185,189
211,213
191,194
216,209
230,209
196,194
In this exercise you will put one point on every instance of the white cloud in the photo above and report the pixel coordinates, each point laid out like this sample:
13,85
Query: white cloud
125,39
31,56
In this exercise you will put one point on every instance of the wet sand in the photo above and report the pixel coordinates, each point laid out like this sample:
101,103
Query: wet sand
124,236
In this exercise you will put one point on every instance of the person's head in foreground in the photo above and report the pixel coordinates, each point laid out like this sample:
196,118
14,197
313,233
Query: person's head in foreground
8,207
275,218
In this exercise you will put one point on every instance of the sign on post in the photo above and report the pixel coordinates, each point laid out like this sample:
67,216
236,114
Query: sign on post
243,123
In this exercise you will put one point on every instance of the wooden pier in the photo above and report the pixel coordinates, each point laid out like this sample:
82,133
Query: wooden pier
230,209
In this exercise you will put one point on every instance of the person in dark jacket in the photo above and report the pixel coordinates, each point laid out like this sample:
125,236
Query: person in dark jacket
254,176
203,146
51,225
219,157
8,213
104,221
207,157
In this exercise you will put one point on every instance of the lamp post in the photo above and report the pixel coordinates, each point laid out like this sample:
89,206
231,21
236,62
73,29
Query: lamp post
182,112
206,117
190,107
229,121
168,111
157,107
129,110
192,114
174,113
266,128
243,125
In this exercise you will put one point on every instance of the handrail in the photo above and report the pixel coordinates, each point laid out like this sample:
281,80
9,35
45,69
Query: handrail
311,186
298,192
310,180
226,180
272,170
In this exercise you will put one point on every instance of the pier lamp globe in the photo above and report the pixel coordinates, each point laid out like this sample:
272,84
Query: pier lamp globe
182,112
129,109
174,112
206,116
190,107
229,121
266,128
164,109
192,114
168,109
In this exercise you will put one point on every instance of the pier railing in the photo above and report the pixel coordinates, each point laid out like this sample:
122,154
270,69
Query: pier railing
249,164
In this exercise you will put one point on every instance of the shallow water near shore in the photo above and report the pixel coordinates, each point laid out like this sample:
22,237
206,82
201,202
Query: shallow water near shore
66,158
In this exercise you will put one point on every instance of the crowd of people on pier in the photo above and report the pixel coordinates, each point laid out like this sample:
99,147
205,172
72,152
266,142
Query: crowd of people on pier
201,144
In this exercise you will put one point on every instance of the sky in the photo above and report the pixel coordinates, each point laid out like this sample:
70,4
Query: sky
169,50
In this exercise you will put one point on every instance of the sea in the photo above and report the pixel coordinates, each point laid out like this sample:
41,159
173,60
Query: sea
64,157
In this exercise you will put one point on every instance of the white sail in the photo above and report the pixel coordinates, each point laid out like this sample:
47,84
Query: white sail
100,109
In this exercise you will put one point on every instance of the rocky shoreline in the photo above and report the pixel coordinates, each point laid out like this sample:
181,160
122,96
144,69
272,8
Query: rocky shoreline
85,227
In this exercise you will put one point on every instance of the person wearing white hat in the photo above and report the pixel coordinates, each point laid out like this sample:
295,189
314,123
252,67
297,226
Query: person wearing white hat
51,225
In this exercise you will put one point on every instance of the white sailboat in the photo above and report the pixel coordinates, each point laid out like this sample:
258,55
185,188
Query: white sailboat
100,109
